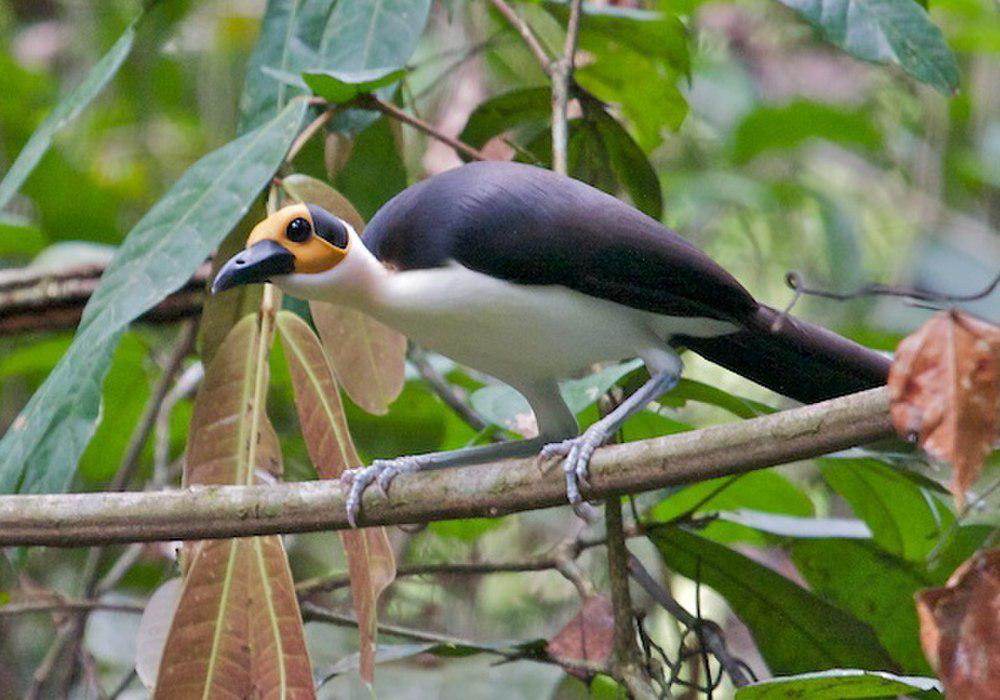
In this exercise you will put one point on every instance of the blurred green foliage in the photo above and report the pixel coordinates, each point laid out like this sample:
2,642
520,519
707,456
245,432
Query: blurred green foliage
741,125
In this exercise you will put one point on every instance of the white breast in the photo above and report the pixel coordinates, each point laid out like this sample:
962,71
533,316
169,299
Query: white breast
522,334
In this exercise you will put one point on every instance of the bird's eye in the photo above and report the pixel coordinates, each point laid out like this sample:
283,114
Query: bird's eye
298,230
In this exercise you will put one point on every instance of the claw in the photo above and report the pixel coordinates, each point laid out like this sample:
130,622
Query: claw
576,453
380,472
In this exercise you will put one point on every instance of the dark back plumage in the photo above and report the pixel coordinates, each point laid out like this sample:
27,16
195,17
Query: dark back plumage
531,226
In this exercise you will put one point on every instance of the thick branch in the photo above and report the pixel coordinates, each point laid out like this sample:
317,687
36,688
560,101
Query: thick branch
482,490
54,300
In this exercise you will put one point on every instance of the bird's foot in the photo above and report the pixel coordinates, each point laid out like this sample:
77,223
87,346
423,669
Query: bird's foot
381,472
576,453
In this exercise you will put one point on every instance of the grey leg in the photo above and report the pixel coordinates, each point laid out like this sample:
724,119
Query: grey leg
578,451
384,471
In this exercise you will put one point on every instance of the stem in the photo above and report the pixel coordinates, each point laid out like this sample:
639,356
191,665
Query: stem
562,79
394,112
626,658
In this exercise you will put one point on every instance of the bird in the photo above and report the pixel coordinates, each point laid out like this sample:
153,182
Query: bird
532,277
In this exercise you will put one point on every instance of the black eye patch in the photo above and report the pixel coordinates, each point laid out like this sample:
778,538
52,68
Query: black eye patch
298,230
328,227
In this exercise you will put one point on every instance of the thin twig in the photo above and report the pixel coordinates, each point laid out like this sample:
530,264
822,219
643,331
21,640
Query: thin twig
794,281
311,129
527,33
708,630
391,110
562,80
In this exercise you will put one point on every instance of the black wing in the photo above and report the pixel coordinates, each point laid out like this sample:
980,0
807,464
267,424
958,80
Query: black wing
531,226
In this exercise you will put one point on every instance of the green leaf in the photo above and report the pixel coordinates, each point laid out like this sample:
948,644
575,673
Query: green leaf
517,108
123,399
630,165
629,42
505,407
465,529
789,126
872,585
343,86
365,34
764,490
375,172
905,519
320,36
66,111
693,390
837,684
290,32
19,237
897,32
41,450
795,630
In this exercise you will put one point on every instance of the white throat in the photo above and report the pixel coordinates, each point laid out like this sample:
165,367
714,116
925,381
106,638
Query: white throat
354,281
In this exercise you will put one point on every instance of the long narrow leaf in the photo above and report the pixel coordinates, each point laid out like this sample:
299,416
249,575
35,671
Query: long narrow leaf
41,450
237,631
370,560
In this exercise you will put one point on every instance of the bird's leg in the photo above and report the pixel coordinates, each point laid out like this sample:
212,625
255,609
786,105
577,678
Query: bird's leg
383,471
577,451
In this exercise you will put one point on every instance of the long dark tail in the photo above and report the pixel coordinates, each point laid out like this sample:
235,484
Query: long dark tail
800,360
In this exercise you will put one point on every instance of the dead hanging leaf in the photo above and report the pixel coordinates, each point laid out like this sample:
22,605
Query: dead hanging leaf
944,386
220,447
368,357
589,636
370,561
960,628
237,631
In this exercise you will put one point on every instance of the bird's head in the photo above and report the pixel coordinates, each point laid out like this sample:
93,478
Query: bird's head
296,241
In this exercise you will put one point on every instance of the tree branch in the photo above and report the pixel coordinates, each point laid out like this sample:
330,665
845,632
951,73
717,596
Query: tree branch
53,300
394,112
486,490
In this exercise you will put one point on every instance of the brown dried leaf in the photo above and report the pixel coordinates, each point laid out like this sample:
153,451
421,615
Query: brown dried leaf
220,446
589,636
944,386
368,357
960,628
370,561
237,631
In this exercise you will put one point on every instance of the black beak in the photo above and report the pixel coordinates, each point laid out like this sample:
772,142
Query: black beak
258,263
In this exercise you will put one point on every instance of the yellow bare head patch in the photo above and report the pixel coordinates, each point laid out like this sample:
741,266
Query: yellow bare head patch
316,238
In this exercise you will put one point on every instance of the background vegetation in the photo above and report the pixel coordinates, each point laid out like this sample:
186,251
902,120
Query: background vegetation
751,127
